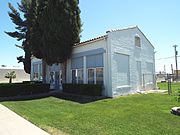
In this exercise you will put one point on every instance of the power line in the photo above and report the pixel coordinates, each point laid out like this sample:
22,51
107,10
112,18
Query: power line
166,58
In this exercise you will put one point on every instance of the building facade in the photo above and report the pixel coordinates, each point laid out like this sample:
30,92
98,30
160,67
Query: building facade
122,61
21,75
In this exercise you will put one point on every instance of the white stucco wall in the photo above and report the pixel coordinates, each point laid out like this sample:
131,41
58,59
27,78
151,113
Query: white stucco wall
37,61
98,44
123,42
116,44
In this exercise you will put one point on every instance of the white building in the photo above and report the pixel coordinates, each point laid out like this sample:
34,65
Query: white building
122,60
21,75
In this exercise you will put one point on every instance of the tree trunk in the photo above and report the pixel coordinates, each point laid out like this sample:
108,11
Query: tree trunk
10,80
64,66
44,71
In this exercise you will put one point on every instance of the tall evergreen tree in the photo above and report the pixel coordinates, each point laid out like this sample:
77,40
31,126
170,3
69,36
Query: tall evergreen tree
25,29
49,30
20,33
61,26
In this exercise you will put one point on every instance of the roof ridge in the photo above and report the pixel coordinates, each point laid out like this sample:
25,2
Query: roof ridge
90,40
125,28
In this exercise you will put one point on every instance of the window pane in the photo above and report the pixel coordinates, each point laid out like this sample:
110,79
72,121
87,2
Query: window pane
90,76
99,75
74,77
40,71
35,68
52,77
80,76
137,41
35,72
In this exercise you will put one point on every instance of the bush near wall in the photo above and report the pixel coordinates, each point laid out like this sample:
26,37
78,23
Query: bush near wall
83,89
16,89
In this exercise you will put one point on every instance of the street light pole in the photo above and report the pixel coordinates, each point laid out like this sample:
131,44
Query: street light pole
176,53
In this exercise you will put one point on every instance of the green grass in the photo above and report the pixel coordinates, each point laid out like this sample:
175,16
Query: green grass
147,114
174,85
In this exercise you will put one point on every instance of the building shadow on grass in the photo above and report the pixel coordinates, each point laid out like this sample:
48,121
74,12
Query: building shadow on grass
57,94
78,98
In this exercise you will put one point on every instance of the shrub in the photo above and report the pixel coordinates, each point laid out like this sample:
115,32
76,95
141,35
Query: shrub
32,82
83,89
22,89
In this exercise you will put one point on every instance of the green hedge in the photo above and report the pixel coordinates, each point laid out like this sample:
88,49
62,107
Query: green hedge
32,82
16,89
83,89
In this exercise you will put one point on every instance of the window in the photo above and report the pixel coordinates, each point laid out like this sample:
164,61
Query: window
95,75
77,76
91,78
137,41
99,75
74,81
35,72
80,76
52,77
40,71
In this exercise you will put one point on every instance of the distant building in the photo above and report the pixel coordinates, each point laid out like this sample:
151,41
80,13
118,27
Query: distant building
21,75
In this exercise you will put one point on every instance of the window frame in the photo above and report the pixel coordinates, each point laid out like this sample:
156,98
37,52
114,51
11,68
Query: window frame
94,77
135,41
76,76
95,74
102,73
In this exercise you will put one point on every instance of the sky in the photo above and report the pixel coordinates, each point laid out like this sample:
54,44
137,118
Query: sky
159,20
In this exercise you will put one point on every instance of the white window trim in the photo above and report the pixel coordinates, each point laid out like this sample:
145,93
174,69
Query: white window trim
77,74
137,36
103,73
94,74
76,71
94,68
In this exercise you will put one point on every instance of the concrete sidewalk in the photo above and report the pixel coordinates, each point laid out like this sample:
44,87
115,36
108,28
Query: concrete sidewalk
13,124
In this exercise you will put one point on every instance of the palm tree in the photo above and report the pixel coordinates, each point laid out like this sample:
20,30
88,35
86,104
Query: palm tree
10,76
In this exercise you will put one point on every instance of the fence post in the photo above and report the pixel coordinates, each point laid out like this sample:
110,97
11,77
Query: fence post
143,82
169,85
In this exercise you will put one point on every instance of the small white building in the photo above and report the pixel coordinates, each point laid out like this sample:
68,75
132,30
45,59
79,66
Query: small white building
21,75
123,61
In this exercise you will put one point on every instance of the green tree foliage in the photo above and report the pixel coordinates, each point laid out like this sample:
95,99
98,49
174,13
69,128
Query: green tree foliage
10,76
49,30
21,32
60,24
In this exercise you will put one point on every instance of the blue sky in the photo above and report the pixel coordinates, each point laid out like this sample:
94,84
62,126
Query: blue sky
159,20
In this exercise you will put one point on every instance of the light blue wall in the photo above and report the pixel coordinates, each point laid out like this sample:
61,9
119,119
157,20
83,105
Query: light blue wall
94,61
91,52
94,58
77,63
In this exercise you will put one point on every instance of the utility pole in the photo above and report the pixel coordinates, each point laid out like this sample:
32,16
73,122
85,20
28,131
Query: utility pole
176,53
172,72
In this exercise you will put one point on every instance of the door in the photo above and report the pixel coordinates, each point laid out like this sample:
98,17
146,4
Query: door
139,75
52,80
58,80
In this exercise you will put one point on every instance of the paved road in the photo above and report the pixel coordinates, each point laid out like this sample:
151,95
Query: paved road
13,124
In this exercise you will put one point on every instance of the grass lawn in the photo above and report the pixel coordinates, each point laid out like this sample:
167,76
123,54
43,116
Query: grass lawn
164,86
146,114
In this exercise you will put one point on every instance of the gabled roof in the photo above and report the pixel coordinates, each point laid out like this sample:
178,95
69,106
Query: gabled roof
127,28
105,36
91,40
